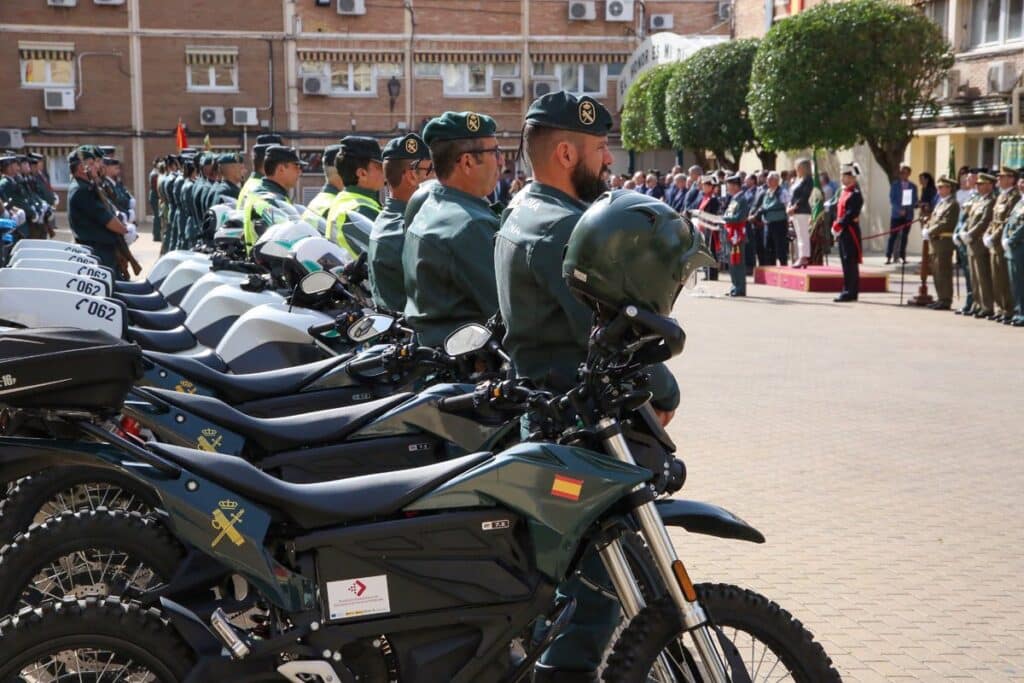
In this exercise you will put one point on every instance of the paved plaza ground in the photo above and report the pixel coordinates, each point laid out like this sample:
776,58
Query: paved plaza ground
878,448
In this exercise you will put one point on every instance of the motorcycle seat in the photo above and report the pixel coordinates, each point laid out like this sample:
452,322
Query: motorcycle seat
248,387
323,504
143,287
276,434
157,320
168,341
154,301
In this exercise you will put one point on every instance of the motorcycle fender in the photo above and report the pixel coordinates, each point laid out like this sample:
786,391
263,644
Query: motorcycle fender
21,457
707,519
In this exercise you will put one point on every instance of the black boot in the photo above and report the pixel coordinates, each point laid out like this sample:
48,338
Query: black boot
547,674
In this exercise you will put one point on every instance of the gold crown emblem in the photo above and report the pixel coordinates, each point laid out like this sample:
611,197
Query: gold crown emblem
228,504
209,432
473,123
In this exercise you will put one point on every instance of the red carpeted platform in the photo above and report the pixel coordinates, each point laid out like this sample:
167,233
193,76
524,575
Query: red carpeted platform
818,279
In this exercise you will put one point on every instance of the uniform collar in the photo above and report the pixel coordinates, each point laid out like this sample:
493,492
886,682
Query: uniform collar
329,189
395,205
269,184
538,188
362,191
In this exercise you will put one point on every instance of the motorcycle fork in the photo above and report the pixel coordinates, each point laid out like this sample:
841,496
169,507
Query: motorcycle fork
670,567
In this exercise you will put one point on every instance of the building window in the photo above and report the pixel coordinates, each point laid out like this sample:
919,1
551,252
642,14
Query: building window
583,79
996,21
211,69
46,65
615,69
506,70
348,79
56,164
938,12
467,80
426,70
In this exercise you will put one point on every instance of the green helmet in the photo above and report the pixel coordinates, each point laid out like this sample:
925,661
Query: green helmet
629,248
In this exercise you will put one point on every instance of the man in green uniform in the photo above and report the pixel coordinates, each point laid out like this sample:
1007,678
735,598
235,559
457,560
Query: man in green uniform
548,328
12,193
321,203
938,232
258,150
1002,295
361,169
40,183
448,255
231,169
981,264
153,198
92,223
165,187
734,233
282,167
1013,247
965,197
406,165
37,229
186,204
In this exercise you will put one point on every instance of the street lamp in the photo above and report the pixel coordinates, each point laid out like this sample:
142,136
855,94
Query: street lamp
394,88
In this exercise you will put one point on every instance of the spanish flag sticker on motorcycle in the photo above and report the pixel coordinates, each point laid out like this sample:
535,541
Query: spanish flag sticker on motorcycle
567,487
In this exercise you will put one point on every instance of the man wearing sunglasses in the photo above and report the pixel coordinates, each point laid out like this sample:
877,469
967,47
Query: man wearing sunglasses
406,165
448,255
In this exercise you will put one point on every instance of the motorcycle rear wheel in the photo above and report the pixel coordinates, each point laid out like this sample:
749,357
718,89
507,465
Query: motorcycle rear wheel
101,641
772,644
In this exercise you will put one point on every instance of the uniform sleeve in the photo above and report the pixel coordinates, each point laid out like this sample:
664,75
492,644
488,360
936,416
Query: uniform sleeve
474,267
545,261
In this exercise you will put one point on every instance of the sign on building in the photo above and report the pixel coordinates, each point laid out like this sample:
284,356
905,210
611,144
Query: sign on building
661,48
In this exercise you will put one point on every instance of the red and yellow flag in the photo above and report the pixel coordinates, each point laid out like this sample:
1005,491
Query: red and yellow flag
567,487
179,136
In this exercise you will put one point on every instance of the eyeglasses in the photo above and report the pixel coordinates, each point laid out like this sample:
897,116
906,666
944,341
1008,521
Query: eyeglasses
496,151
426,170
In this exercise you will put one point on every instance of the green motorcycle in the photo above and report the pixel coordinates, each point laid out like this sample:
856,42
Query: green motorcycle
441,573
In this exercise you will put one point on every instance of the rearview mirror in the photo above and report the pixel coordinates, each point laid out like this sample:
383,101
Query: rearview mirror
467,339
370,327
318,282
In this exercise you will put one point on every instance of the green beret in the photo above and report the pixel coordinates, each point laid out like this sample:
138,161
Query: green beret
230,158
360,147
259,150
87,152
566,111
268,139
463,125
409,146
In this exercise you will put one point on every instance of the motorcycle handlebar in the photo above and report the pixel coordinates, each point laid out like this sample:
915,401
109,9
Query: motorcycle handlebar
317,330
459,404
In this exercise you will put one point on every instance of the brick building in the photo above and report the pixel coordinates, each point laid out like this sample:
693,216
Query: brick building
980,104
123,72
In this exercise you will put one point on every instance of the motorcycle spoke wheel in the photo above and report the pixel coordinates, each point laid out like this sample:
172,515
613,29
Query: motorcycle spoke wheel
86,664
92,572
91,496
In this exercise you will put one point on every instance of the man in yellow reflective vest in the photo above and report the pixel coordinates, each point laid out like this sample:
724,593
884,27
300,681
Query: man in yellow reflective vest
361,168
269,203
258,150
321,204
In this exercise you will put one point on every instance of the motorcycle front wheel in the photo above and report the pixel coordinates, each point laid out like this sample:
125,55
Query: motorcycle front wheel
770,642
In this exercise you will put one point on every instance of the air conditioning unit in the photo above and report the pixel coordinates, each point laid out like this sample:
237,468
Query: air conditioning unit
618,10
1001,77
244,116
724,10
62,3
662,22
109,2
511,87
582,10
316,85
212,116
59,99
352,7
948,86
11,138
543,86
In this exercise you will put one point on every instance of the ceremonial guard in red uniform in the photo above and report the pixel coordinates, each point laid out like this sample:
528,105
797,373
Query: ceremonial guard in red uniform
846,231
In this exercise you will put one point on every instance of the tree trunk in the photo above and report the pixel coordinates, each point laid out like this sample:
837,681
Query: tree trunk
889,155
767,158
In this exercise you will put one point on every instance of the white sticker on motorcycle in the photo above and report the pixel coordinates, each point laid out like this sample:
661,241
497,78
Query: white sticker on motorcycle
360,597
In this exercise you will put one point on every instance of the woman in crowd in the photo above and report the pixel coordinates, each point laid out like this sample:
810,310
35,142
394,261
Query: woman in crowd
771,209
799,211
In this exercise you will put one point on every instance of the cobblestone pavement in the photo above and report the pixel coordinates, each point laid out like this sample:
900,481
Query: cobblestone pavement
878,448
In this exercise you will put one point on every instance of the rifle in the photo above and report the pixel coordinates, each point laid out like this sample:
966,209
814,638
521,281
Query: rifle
124,255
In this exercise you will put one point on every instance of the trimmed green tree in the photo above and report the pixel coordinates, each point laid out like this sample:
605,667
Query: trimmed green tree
847,72
706,103
643,110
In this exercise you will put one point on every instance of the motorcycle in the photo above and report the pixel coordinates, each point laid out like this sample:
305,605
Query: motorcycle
415,575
